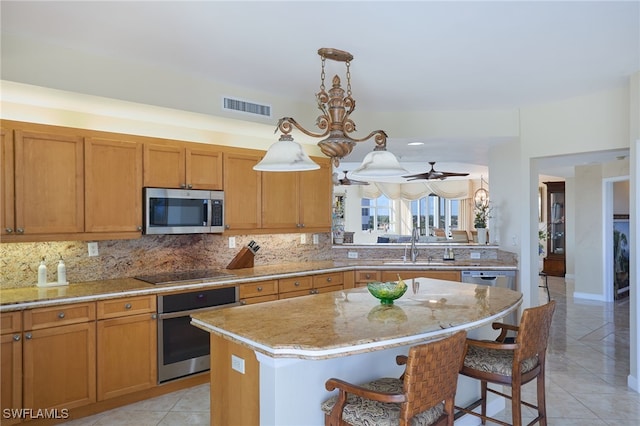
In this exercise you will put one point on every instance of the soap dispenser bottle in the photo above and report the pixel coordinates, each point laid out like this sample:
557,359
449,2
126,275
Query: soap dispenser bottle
62,272
42,273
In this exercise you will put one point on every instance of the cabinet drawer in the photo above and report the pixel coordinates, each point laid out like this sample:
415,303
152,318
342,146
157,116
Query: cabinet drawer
259,299
126,306
11,322
54,316
294,284
327,280
262,288
405,275
367,276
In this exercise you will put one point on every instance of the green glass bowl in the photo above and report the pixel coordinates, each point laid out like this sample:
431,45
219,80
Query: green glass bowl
387,292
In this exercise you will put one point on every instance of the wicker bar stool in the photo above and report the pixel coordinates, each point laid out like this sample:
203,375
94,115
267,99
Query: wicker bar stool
512,364
423,395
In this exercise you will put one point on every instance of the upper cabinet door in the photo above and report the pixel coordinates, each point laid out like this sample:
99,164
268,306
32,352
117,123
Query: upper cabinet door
49,184
242,189
316,192
113,179
280,200
164,166
204,167
7,210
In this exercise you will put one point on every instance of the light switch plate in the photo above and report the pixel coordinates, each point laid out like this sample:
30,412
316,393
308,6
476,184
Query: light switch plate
93,249
237,364
475,255
303,238
352,255
316,239
232,242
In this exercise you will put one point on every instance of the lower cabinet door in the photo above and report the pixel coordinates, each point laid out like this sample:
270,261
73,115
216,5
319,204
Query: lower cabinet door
127,355
59,366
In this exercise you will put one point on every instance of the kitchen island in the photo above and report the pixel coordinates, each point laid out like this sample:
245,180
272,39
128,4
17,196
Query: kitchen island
269,361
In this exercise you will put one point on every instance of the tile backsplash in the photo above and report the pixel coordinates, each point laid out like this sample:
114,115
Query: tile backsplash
149,254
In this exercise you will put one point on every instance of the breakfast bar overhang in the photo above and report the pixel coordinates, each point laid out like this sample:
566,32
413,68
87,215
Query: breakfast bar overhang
269,361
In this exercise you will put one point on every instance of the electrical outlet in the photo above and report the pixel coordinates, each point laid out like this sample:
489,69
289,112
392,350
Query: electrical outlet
352,255
232,242
303,238
237,364
93,249
475,255
316,239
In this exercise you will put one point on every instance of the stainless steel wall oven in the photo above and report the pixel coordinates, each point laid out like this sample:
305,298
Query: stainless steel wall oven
183,349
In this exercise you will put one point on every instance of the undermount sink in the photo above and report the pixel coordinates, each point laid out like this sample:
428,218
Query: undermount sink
416,263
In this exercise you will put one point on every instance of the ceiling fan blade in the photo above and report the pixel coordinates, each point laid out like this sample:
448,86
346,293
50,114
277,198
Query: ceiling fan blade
433,174
346,181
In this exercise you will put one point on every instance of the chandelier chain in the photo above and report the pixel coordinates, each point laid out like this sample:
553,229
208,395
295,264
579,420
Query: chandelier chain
348,79
322,75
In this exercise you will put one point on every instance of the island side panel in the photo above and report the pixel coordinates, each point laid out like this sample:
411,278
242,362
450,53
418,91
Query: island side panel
235,397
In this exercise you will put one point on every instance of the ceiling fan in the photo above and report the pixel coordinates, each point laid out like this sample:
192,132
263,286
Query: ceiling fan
434,174
346,180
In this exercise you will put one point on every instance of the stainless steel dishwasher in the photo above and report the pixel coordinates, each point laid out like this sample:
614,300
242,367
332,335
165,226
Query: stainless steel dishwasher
493,278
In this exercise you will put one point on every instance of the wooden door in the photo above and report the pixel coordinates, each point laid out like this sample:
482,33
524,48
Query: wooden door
316,191
204,168
59,366
113,184
242,189
7,211
11,360
164,166
127,355
280,200
49,184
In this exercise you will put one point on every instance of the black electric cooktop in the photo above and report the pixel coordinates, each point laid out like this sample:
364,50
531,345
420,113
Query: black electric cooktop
180,276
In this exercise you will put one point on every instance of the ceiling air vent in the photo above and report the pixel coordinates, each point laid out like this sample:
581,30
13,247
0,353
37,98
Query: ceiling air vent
247,107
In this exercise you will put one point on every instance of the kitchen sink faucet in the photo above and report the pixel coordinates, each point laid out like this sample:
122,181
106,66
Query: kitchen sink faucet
414,249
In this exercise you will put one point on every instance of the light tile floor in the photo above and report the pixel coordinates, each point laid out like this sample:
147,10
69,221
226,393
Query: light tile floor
587,369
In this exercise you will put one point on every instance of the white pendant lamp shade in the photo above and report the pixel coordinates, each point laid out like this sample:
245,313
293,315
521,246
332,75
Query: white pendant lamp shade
286,155
379,166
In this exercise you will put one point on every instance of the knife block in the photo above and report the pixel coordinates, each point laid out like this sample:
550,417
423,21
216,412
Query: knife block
244,259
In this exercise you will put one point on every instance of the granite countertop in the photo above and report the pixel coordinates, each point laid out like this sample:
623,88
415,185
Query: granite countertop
352,321
32,297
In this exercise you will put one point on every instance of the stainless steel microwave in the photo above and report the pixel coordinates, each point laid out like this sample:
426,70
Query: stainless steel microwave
183,211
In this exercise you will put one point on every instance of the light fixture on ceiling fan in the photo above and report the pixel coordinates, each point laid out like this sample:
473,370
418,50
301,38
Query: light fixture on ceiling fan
336,125
345,181
433,174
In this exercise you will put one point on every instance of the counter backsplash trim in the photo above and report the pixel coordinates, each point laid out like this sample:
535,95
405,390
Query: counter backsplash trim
149,254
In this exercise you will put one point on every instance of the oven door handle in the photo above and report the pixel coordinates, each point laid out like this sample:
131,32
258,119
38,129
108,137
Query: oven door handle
193,311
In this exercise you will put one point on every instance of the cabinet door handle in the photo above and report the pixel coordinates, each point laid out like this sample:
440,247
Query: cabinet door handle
154,316
243,302
28,336
20,231
61,315
367,276
183,185
227,227
297,284
329,279
189,186
16,337
259,289
139,228
127,306
8,230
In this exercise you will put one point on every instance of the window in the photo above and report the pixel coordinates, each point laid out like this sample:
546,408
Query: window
378,214
435,212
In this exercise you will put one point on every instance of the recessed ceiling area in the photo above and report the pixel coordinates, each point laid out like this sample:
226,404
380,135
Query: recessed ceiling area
408,56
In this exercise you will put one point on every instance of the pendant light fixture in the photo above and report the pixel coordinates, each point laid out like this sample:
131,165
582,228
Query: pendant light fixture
336,125
481,197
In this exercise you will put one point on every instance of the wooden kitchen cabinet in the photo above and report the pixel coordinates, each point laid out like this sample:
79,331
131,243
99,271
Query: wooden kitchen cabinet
262,291
126,346
59,356
412,273
11,359
182,165
242,189
310,284
366,276
48,179
113,182
298,200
